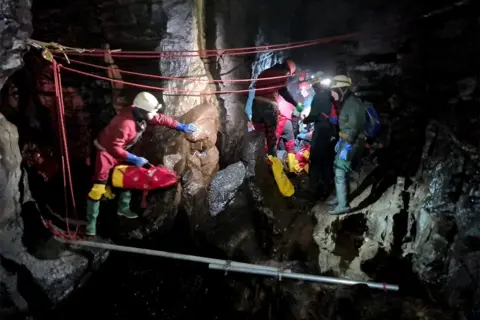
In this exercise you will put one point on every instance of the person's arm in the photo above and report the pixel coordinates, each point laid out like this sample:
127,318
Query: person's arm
248,105
164,121
348,124
116,148
287,96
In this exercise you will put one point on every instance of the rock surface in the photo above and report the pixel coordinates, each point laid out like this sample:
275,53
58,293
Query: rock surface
15,29
224,187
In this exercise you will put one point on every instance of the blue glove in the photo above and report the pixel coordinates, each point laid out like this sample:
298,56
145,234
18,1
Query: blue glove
345,150
337,146
333,120
187,128
303,136
138,161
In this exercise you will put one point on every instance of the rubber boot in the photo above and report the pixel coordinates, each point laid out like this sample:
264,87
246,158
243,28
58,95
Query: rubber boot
333,201
124,205
93,209
341,186
293,165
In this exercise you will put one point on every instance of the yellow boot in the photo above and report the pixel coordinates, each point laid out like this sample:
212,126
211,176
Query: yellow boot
293,165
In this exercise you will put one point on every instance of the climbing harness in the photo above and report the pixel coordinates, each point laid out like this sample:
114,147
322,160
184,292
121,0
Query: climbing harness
227,265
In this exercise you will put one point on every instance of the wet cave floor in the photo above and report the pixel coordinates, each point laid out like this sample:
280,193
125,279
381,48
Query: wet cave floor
129,286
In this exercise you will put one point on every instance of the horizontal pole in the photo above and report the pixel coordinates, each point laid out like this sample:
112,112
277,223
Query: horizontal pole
302,276
165,254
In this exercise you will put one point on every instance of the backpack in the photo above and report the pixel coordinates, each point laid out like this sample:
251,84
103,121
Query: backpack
372,122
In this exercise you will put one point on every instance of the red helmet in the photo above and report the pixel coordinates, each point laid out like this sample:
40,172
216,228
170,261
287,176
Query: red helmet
291,65
304,85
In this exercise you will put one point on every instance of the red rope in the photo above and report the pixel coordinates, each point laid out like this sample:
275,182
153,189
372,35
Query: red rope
67,175
153,76
165,89
210,50
200,53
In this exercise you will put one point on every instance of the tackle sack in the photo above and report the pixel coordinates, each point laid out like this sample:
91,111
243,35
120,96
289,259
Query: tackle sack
131,177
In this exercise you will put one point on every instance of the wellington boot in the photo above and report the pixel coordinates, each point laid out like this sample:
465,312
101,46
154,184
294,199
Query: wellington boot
333,201
293,165
341,188
339,210
124,205
93,209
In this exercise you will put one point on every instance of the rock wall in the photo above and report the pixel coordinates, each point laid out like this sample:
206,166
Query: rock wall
414,218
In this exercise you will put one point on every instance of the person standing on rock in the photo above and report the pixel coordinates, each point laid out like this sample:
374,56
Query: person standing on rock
113,143
321,153
272,110
351,139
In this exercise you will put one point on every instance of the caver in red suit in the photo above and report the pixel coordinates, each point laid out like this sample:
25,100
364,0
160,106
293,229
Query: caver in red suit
113,143
265,108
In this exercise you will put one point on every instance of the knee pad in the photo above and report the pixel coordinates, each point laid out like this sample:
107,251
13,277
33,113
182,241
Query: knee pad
97,191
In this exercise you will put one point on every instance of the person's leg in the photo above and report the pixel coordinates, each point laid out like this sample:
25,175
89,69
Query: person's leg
270,120
342,167
103,164
289,139
341,188
124,198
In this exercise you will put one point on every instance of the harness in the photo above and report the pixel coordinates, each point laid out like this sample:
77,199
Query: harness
141,127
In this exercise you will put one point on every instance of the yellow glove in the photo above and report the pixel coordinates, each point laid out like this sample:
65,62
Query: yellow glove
285,186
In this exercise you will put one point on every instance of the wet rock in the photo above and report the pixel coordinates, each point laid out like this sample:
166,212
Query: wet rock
466,87
234,230
15,29
10,172
52,274
253,151
224,186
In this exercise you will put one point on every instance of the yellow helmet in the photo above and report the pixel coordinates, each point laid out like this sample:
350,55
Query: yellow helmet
341,81
146,101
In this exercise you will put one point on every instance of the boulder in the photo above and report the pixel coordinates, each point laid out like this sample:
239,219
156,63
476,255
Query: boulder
224,187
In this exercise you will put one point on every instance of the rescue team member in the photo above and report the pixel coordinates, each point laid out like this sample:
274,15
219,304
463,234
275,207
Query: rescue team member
294,87
321,151
264,108
351,141
113,143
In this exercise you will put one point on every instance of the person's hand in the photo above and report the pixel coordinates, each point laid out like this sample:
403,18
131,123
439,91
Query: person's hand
137,161
299,107
333,120
337,146
346,149
187,128
250,126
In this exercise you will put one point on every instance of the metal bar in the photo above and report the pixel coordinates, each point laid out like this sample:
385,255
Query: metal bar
302,276
225,263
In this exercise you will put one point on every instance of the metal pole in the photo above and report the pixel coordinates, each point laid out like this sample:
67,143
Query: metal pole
302,276
225,263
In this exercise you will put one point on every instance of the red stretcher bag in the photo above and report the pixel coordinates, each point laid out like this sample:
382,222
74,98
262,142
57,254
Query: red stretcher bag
131,177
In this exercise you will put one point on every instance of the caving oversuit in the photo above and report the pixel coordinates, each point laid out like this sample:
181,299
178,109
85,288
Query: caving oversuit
266,113
321,153
351,143
112,145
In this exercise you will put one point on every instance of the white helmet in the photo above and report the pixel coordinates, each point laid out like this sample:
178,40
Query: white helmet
146,101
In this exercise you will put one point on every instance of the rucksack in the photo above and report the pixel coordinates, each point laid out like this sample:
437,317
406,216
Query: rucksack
372,122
